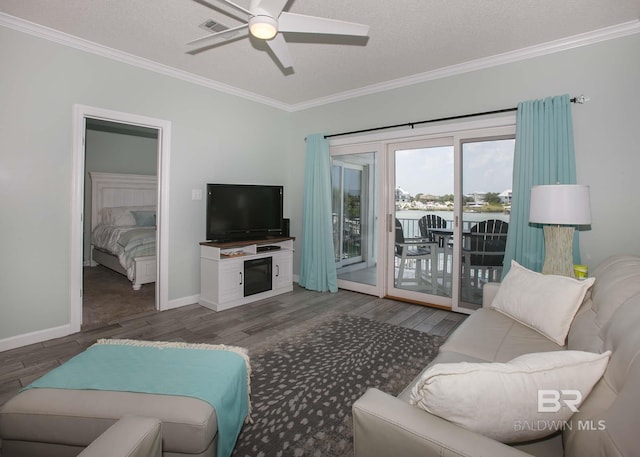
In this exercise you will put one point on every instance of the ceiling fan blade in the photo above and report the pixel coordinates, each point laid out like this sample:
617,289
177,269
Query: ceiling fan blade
217,37
280,50
228,2
273,7
291,22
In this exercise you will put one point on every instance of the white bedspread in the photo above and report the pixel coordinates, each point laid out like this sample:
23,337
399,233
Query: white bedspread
126,242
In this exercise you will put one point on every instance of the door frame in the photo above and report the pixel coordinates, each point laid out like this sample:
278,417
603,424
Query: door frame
80,114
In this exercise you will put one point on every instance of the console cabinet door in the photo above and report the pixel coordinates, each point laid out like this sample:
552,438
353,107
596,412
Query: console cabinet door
282,268
231,286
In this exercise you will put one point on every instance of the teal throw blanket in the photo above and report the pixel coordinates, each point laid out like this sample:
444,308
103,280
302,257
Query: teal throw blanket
216,374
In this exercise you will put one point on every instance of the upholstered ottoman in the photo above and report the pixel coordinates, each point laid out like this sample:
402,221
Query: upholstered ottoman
67,409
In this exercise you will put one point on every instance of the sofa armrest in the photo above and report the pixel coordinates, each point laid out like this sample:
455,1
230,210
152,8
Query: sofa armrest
384,426
131,436
489,292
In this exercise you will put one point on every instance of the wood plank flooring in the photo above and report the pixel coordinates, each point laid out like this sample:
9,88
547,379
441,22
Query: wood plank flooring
245,326
108,297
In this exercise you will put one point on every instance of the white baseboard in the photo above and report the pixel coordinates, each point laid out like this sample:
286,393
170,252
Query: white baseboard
178,302
56,332
34,337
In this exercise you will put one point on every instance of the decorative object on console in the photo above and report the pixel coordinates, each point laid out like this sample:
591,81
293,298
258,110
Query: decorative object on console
559,207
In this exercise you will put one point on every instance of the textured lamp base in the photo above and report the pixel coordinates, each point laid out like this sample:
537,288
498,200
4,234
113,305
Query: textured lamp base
558,251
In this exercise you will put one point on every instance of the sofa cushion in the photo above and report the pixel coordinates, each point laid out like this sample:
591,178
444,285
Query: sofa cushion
617,281
608,421
501,400
546,303
490,336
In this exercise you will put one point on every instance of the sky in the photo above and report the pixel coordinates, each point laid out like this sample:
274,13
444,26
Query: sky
487,167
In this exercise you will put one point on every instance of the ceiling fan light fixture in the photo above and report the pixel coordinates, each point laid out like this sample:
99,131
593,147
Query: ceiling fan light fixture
263,27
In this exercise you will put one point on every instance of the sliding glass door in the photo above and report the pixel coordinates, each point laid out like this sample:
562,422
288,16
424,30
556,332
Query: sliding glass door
448,213
416,219
420,223
348,211
487,177
354,184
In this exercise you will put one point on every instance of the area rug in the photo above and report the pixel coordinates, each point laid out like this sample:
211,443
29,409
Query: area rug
303,387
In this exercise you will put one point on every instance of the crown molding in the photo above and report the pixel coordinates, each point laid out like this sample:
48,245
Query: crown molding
65,39
583,39
575,41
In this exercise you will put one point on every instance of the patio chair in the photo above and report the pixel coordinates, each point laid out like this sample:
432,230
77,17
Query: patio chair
444,242
428,222
414,249
483,252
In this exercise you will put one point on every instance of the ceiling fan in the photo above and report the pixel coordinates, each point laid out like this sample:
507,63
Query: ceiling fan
267,21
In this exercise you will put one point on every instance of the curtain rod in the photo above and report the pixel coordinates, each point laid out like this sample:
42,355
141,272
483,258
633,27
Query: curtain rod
580,99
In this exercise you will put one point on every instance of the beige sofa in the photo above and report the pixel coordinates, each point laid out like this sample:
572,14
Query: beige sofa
131,436
62,423
609,319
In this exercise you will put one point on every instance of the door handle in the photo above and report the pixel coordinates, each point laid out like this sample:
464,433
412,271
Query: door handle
240,278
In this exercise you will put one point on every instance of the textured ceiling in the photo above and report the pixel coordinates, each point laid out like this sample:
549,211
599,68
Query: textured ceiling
406,37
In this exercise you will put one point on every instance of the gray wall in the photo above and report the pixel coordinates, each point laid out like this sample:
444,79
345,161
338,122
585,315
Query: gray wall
221,138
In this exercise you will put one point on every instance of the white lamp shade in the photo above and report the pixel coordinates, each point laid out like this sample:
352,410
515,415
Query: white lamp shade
263,27
561,204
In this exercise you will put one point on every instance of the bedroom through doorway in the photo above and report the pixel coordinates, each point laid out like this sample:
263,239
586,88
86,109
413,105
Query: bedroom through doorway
120,203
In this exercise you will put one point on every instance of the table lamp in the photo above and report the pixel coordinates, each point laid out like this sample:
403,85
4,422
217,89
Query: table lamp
559,207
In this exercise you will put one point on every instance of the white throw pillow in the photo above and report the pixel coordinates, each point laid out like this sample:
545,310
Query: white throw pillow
546,303
501,400
121,215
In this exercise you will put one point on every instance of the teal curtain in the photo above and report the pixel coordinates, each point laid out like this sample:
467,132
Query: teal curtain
544,154
318,267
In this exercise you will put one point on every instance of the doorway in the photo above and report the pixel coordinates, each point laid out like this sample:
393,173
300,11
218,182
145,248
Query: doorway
81,116
121,159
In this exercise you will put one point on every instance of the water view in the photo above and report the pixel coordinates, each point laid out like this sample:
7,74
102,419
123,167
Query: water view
469,218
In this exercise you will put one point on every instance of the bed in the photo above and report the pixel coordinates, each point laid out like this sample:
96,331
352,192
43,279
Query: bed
123,225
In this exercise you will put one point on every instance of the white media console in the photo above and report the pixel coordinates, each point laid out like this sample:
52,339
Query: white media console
237,273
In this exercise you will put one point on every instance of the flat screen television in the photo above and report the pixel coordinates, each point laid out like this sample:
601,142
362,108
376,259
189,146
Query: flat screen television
243,211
